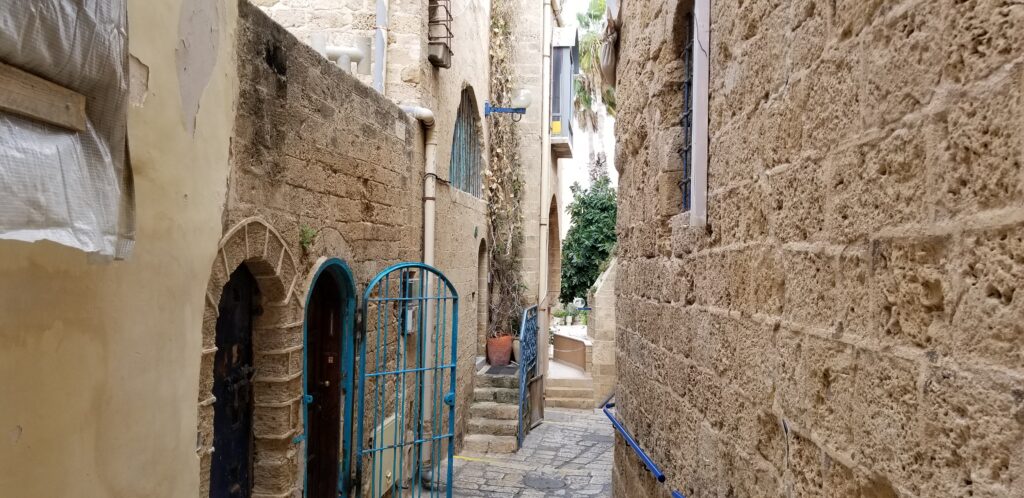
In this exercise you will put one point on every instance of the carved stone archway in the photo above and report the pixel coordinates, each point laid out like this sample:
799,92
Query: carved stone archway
277,345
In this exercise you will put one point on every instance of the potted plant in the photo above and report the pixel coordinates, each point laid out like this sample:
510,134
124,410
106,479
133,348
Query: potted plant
499,350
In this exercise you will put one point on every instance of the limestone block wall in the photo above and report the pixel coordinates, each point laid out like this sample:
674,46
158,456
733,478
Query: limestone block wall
346,21
601,329
850,322
461,229
313,149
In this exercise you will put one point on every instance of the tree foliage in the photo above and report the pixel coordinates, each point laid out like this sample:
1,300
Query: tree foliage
588,86
590,239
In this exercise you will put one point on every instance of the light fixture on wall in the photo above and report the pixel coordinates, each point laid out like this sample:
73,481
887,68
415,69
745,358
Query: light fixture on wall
521,99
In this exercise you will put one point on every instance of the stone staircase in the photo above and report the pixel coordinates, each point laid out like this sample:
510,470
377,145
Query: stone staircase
569,393
494,414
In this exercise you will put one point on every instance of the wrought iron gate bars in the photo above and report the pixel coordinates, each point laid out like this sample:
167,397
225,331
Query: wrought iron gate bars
415,297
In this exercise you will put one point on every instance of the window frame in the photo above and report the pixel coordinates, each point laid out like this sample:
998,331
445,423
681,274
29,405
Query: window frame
698,130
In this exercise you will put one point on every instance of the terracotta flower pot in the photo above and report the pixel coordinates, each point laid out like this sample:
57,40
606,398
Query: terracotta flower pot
499,350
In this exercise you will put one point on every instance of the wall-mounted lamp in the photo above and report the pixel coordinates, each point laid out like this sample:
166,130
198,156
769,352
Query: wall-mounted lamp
521,99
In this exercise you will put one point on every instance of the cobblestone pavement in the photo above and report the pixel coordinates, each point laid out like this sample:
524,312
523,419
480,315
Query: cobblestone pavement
570,455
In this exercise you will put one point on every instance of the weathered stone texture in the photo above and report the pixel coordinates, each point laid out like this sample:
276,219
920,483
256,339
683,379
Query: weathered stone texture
849,324
313,149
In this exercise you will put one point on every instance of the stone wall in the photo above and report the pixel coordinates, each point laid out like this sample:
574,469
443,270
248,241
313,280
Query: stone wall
848,324
461,218
601,329
313,150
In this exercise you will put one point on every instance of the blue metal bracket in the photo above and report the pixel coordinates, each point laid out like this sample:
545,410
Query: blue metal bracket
489,109
449,399
307,399
298,439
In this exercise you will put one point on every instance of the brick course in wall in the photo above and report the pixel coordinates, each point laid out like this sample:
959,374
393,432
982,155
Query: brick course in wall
849,323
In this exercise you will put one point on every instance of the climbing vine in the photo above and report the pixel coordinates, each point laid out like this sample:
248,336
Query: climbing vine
505,185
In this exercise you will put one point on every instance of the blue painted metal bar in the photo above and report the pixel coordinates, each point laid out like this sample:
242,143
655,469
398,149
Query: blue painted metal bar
489,109
399,375
527,365
651,466
421,369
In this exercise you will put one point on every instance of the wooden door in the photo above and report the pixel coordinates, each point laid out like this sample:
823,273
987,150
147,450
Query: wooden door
324,329
231,466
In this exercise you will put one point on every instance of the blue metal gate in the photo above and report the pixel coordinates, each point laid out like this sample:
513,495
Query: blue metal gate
527,366
405,420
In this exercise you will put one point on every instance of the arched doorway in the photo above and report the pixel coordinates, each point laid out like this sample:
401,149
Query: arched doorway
330,308
231,468
483,297
554,254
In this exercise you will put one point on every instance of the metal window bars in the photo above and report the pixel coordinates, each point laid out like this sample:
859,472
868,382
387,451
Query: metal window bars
439,33
687,118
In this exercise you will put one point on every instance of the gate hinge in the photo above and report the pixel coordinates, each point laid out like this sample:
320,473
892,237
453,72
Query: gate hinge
307,399
298,439
449,399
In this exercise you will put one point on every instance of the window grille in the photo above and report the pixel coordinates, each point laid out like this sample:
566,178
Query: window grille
439,33
687,119
464,172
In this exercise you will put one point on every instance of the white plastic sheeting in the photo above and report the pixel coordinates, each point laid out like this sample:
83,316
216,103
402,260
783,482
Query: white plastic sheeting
73,188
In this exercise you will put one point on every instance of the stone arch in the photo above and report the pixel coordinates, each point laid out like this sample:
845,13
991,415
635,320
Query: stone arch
277,356
554,253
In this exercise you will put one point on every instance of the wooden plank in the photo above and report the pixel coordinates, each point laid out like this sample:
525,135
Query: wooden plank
28,95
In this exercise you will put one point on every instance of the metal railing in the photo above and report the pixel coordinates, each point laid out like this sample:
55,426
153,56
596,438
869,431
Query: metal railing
651,466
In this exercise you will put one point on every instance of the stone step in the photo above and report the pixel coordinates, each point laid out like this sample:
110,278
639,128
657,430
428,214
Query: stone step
569,403
569,382
494,411
493,427
506,381
496,394
483,443
570,392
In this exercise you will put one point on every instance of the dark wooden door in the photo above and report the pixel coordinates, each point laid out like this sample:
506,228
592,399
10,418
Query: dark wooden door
323,329
231,467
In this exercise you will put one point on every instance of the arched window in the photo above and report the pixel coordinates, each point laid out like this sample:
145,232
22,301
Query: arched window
464,173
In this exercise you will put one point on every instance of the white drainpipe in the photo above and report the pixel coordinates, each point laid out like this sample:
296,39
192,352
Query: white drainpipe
380,56
545,194
426,116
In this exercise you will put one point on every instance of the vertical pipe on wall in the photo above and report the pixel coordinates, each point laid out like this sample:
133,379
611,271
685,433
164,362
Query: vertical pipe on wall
380,58
426,116
545,165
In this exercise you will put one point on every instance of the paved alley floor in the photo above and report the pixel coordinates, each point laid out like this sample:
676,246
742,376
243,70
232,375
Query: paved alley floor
569,454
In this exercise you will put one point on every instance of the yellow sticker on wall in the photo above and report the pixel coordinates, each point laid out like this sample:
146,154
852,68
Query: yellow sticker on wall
556,127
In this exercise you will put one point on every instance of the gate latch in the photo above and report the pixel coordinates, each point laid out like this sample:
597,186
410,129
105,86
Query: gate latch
308,399
449,399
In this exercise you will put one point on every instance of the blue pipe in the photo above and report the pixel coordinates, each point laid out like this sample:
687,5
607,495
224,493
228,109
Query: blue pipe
651,466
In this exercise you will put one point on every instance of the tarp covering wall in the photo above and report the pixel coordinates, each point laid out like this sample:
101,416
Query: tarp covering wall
73,188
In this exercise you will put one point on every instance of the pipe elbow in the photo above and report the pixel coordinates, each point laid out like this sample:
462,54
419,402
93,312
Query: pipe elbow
335,52
422,114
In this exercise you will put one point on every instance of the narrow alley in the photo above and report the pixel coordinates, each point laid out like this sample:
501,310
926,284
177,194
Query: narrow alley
393,248
569,454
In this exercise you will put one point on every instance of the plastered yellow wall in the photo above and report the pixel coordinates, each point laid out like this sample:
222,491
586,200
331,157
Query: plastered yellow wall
99,363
